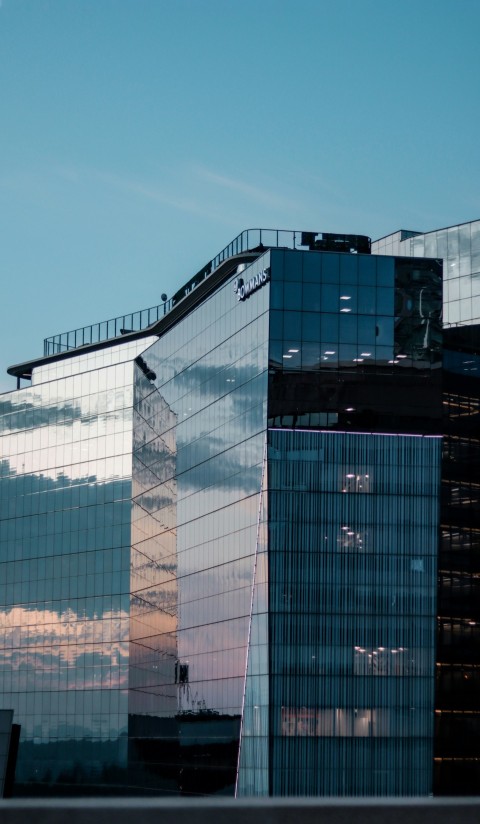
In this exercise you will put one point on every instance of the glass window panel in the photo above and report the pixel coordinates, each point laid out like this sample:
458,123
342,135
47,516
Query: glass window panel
465,287
293,266
276,325
348,269
291,355
464,240
385,271
418,246
276,294
366,300
347,353
475,237
431,245
330,297
311,355
312,268
452,236
311,300
441,243
385,301
367,270
384,334
329,326
310,326
366,330
348,328
292,325
330,268
292,295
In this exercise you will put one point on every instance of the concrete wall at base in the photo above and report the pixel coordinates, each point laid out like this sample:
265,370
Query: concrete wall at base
263,811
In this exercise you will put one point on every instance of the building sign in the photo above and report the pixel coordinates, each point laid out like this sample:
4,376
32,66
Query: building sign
243,289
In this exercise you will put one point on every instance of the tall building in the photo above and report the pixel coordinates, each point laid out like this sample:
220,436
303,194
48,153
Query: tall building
457,713
219,534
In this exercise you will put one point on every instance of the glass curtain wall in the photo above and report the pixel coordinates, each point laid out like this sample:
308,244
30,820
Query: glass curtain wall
65,523
353,522
153,606
457,714
210,390
459,246
355,342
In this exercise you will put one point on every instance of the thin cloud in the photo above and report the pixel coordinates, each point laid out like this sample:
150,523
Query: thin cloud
138,187
259,195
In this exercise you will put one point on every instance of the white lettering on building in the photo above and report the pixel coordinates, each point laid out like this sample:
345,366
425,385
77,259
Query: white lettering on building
243,289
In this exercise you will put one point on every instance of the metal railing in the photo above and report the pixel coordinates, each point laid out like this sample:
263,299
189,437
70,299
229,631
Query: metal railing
248,240
104,330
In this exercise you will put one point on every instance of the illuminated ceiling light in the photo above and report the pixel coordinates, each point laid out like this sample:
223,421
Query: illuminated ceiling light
350,474
329,351
286,356
381,649
350,409
358,360
350,533
293,350
365,354
401,356
344,527
345,297
345,310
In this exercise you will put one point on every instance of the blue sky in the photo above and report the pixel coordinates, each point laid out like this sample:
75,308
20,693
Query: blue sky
138,137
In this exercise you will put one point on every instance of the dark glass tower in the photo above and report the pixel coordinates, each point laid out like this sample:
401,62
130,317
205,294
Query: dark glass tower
457,714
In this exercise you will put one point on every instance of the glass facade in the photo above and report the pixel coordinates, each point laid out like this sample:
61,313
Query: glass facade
459,247
353,522
355,342
218,542
198,466
65,498
457,714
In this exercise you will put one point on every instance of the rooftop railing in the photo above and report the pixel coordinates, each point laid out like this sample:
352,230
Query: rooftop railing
249,240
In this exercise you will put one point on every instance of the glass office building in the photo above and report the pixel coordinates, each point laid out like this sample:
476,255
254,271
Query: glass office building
219,533
457,705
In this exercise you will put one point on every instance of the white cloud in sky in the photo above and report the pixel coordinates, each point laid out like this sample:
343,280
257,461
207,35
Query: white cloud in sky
271,199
